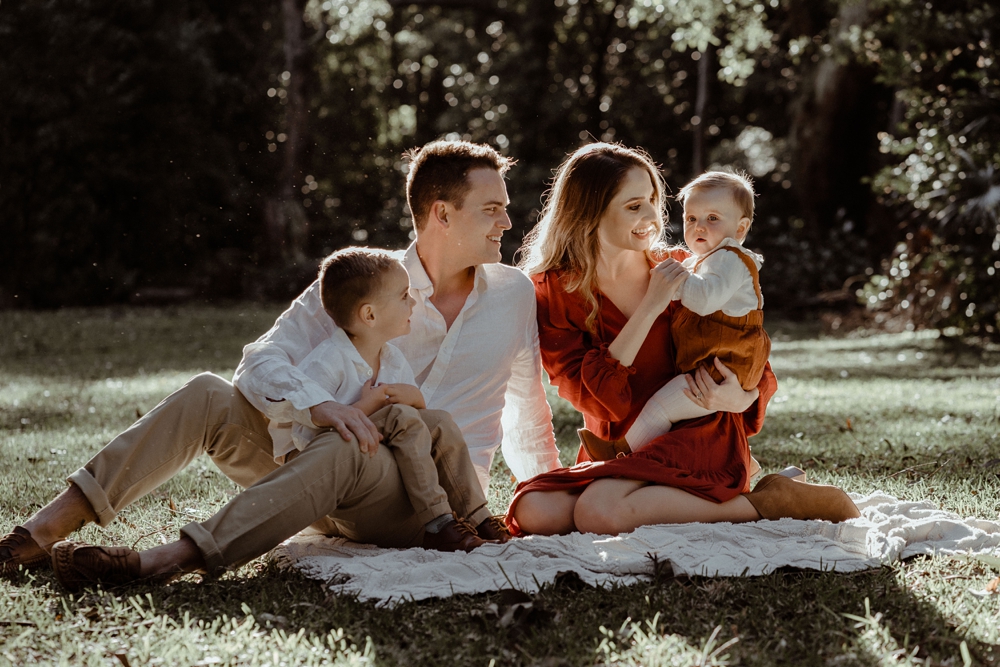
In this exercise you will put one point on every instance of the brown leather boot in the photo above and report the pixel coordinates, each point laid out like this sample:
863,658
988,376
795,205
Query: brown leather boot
79,565
456,535
600,449
18,548
493,529
779,497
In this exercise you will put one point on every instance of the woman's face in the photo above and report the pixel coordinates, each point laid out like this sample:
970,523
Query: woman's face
631,221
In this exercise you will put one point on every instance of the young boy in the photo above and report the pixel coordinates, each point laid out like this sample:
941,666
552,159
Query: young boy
721,315
366,293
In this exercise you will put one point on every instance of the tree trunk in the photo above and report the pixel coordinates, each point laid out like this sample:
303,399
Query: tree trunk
285,218
835,122
705,70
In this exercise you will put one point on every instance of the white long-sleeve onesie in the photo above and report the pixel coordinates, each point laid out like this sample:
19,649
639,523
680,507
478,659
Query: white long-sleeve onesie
721,282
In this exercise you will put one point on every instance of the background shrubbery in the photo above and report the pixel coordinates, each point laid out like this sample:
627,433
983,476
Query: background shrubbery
215,150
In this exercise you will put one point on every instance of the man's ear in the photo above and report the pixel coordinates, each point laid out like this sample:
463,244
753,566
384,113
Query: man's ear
743,228
366,314
439,213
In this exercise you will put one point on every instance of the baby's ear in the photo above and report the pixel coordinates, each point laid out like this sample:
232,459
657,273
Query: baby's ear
743,228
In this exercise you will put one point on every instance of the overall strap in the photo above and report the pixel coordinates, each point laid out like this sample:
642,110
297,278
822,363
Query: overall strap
751,267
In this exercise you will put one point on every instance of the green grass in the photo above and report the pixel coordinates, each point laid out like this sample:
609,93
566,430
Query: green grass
914,415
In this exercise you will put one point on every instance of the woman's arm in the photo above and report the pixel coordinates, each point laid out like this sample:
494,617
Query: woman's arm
578,365
728,395
665,279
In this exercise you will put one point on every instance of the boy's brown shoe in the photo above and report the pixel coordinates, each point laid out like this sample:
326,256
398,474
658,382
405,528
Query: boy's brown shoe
18,548
79,565
457,535
493,529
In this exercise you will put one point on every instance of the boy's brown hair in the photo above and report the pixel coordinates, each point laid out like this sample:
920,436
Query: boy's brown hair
349,277
439,170
737,183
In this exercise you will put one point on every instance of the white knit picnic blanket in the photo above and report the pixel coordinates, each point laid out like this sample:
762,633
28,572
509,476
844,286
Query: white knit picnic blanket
889,529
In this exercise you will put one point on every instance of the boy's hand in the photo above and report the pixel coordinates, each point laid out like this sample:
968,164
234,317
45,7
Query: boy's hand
404,394
372,398
349,421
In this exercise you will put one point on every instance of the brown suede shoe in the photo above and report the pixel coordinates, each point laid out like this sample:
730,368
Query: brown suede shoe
493,529
18,548
778,497
79,565
457,535
600,449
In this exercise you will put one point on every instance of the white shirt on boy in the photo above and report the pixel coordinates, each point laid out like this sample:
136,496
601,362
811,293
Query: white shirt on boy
485,369
336,365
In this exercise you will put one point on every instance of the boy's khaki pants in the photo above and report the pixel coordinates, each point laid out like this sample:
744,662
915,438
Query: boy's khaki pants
331,481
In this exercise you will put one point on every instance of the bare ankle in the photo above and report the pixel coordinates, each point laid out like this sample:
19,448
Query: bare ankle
67,513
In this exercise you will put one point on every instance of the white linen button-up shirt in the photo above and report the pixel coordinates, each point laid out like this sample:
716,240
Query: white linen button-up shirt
485,369
336,365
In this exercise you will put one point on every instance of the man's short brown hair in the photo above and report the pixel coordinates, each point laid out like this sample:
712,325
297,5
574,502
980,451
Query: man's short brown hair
439,171
349,277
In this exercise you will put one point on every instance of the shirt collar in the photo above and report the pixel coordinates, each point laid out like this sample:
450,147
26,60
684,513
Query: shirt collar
421,283
343,341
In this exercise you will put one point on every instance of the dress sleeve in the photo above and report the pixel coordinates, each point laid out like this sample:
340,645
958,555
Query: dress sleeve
579,365
753,417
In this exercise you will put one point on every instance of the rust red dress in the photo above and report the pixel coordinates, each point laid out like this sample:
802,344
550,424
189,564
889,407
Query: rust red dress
707,457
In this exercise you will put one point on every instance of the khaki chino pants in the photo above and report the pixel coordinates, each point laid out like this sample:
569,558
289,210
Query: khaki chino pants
331,481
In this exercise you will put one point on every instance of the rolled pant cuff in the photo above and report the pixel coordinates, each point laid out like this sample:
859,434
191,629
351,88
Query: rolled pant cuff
479,515
95,495
214,563
434,512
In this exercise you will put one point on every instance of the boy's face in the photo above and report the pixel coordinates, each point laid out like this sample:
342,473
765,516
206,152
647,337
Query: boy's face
394,304
711,215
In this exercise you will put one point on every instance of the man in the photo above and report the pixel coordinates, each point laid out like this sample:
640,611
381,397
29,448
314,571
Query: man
474,351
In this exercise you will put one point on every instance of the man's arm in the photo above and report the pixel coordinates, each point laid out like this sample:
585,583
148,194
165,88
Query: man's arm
269,380
529,444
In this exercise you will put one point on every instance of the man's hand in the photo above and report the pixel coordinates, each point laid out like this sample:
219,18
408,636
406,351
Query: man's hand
349,422
726,396
405,394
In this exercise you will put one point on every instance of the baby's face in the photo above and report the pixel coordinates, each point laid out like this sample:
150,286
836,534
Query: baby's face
711,215
395,305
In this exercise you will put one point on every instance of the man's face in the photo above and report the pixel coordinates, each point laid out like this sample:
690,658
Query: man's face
474,230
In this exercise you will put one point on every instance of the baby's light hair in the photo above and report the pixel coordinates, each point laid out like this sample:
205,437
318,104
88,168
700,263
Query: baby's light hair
737,183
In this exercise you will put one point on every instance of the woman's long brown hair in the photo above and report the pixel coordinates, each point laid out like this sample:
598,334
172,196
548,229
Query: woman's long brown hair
565,237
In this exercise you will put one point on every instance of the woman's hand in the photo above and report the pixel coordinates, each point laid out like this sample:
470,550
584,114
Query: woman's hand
665,279
726,396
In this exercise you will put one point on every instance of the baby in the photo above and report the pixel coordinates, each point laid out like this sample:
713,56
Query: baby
366,292
721,316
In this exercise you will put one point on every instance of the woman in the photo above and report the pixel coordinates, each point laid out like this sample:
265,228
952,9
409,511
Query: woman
604,288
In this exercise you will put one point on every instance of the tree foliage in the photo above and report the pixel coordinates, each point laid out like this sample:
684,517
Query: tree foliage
145,142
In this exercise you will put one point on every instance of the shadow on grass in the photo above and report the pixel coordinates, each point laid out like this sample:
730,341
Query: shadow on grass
787,617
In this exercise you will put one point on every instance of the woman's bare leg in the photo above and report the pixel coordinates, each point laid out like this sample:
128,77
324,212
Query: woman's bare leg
612,506
546,512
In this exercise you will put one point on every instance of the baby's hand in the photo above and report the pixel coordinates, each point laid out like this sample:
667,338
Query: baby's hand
404,394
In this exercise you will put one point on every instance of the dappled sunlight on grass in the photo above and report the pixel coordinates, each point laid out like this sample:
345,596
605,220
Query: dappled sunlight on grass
926,430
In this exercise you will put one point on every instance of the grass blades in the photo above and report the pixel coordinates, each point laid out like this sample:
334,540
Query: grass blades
915,415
